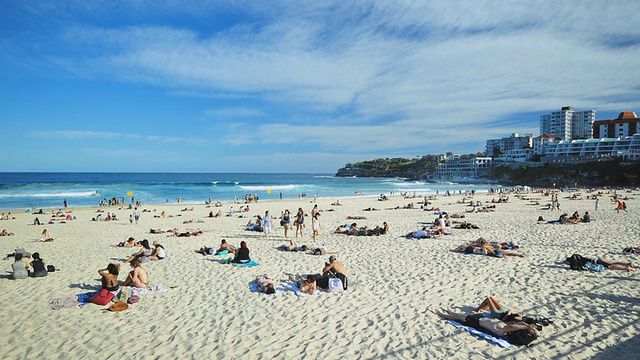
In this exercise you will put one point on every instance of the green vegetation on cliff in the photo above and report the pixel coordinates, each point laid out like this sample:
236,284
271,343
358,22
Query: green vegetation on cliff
390,167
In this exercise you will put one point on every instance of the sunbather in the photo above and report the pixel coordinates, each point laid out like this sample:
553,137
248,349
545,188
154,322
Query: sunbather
110,277
516,333
265,285
138,277
307,285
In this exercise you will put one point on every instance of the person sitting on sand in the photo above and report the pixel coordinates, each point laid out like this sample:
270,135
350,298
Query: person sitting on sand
575,218
45,236
516,333
38,265
224,245
265,285
242,255
20,268
144,254
586,218
159,253
138,277
306,285
335,268
109,277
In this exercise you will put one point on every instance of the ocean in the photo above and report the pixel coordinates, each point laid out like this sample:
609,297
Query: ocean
50,190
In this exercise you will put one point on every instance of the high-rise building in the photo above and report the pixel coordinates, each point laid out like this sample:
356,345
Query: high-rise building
568,124
626,124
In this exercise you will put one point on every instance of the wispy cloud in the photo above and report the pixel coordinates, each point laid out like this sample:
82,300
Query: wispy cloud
96,135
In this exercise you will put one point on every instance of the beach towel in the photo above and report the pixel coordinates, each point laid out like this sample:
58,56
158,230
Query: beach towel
280,290
292,286
66,302
223,252
250,263
488,337
153,289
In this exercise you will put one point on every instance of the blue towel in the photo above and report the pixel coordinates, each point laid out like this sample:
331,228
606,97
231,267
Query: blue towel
490,338
223,252
83,299
247,264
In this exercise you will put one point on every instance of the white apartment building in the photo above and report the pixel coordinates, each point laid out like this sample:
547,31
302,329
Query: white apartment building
568,124
627,147
457,167
497,147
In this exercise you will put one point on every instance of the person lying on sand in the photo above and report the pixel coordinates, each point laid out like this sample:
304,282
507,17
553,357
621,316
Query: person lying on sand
498,311
420,234
265,284
6,233
482,247
307,285
632,249
607,264
516,333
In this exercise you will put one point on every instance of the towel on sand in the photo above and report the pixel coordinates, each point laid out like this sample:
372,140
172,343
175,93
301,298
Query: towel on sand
247,264
490,338
292,286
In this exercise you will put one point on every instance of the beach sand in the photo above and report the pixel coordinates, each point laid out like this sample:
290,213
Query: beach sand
394,284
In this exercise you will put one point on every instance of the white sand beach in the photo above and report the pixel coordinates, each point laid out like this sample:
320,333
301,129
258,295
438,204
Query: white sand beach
394,284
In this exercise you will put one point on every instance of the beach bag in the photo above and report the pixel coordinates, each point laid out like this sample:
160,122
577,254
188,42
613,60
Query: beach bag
133,299
101,298
51,268
124,294
335,285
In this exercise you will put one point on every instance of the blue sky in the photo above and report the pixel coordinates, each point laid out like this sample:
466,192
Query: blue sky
293,86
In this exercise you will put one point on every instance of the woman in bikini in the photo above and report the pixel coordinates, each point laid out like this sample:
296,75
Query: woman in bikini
138,277
144,255
299,222
110,277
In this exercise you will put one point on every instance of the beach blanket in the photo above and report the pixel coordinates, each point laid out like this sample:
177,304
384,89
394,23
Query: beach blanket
280,290
247,264
490,338
223,252
292,286
153,289
66,302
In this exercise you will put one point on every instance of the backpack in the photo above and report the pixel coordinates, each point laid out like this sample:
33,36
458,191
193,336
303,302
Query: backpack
575,262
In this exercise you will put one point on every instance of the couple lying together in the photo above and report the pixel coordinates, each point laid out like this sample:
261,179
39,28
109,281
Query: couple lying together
310,283
483,247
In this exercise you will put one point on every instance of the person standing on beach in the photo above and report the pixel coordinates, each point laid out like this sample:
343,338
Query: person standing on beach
315,224
299,222
286,222
597,200
136,215
266,223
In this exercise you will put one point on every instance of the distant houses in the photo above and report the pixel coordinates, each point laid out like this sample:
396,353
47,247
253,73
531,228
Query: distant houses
567,137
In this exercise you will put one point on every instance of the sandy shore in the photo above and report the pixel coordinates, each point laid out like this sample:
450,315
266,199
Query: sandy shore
209,312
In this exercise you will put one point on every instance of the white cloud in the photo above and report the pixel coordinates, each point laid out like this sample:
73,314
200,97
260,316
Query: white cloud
377,77
97,135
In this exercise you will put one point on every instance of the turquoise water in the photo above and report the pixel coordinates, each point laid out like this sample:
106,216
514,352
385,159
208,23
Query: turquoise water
27,190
